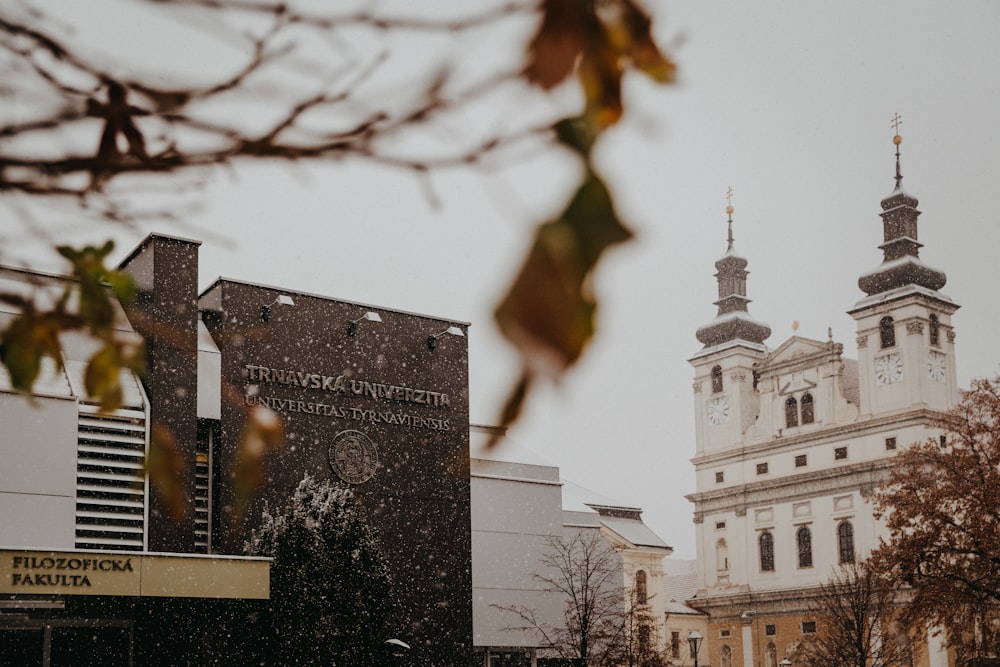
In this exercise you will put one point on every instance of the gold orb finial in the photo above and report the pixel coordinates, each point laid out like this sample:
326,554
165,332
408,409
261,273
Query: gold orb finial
897,140
729,210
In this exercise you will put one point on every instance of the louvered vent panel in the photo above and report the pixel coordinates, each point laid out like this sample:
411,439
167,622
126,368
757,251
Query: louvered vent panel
110,479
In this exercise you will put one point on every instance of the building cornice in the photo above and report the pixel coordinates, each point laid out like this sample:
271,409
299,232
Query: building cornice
829,435
864,476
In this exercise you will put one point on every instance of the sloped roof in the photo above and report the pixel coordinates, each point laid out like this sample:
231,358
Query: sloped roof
634,531
680,583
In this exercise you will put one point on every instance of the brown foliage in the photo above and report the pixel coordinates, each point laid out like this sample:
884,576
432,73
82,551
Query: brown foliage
942,507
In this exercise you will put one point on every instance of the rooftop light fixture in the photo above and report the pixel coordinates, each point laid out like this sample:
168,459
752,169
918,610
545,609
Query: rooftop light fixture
352,325
280,300
432,339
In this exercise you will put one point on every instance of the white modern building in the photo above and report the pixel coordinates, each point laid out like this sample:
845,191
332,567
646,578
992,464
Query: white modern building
518,509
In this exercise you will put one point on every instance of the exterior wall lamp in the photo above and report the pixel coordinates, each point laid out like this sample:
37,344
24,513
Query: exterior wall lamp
281,300
352,325
694,641
432,339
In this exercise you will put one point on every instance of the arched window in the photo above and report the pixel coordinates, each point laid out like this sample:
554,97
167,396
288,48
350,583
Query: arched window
766,544
640,587
791,412
845,541
771,655
935,330
716,379
803,540
887,332
721,555
725,657
808,413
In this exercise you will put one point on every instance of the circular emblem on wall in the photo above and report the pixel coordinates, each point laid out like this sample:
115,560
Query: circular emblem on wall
353,457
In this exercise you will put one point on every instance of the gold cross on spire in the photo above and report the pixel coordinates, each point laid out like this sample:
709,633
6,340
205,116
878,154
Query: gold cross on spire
896,122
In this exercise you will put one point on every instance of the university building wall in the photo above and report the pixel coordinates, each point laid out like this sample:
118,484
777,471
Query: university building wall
379,412
376,407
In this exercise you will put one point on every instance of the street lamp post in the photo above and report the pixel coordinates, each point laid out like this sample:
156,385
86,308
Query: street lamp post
694,641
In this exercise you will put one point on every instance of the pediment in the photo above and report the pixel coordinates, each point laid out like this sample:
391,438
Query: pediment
794,348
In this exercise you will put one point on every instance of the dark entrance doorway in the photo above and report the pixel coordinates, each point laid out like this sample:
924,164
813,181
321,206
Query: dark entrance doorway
31,642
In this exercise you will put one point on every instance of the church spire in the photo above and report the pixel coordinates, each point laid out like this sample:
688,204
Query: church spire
732,322
897,140
901,265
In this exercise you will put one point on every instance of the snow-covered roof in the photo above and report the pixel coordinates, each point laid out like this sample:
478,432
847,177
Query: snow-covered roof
680,583
634,531
898,293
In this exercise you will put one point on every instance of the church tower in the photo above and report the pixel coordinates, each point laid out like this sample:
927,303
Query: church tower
791,441
725,389
906,344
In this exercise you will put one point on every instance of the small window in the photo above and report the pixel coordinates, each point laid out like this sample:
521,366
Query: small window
770,630
762,468
845,541
791,412
675,645
720,477
725,633
640,587
808,414
803,541
935,330
716,379
720,525
809,627
943,439
766,545
840,453
800,461
887,332
890,444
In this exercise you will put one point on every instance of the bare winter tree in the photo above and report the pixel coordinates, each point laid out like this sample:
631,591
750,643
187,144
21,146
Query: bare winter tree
641,640
91,128
858,624
602,622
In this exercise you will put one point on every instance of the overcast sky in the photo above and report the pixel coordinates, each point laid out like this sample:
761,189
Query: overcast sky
787,102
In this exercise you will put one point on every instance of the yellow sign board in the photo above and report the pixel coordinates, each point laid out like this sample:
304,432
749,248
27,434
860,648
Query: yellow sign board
32,572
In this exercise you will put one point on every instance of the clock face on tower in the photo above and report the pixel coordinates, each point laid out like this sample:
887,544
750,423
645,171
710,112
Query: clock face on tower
935,366
889,368
718,410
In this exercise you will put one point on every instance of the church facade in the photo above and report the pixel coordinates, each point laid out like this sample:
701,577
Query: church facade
791,441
